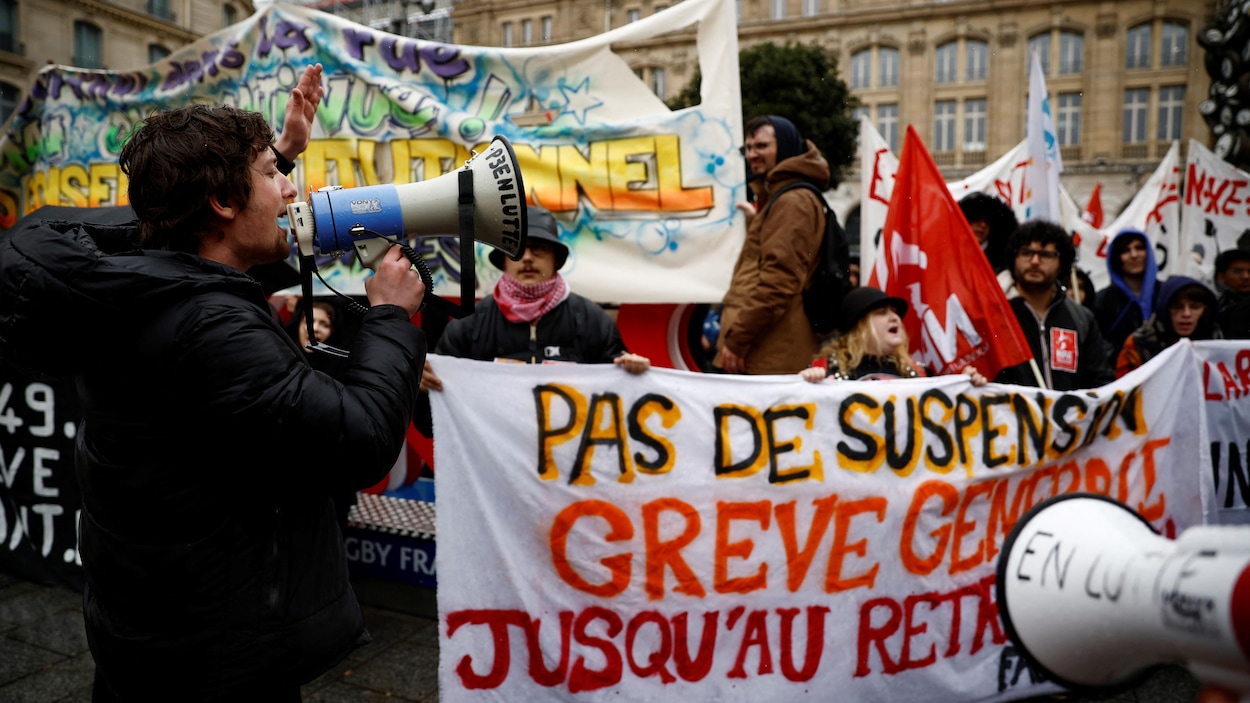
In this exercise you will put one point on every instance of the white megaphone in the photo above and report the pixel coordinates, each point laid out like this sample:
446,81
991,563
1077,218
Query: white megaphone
484,200
1094,597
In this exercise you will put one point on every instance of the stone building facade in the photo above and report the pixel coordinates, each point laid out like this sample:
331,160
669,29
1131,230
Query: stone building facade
1125,77
105,34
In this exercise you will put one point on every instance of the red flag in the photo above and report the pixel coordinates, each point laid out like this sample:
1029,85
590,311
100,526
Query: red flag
1093,210
958,315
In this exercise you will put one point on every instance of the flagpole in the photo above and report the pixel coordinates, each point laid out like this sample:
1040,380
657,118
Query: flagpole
1037,373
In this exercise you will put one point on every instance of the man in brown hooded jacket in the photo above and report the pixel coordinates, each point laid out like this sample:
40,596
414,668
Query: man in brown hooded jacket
763,327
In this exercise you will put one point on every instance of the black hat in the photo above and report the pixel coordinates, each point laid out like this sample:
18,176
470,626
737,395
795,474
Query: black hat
863,300
542,226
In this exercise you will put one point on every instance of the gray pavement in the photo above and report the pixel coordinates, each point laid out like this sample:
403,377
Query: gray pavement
44,655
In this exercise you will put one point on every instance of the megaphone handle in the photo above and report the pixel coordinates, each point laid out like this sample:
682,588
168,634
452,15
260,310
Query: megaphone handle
468,264
370,251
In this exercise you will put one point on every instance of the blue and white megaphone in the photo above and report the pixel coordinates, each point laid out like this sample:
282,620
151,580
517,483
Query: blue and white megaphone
1094,597
484,200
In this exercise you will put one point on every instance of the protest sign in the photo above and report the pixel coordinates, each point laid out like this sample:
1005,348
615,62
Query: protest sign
635,187
604,536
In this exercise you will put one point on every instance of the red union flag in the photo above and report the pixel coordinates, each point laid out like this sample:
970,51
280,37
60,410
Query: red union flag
930,258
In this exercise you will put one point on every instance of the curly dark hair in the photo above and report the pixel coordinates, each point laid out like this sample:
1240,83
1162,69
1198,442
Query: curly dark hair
179,159
1043,233
1002,222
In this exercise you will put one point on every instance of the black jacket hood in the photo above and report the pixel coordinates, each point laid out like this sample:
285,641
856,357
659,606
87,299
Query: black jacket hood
69,285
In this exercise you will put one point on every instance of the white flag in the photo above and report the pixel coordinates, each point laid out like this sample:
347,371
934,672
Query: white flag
1045,163
877,167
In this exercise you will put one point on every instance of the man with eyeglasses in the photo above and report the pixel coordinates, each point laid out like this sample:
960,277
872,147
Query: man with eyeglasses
764,329
1067,345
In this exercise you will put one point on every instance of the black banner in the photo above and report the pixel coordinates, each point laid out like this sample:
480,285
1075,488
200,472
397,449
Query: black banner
39,496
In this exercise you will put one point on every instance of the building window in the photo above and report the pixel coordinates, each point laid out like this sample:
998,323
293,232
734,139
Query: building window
527,32
889,67
944,63
8,26
229,15
778,9
1171,112
887,124
8,100
860,112
507,34
811,8
1068,119
1175,49
1135,101
1137,51
657,82
1071,53
632,15
977,60
974,124
1040,45
87,45
944,125
547,23
861,69
156,53
161,9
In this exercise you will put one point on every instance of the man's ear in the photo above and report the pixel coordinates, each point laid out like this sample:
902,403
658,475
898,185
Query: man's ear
221,208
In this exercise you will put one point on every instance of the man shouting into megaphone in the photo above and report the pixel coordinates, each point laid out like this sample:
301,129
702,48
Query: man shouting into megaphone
210,447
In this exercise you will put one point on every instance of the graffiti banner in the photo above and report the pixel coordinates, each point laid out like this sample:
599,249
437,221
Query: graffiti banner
644,195
676,536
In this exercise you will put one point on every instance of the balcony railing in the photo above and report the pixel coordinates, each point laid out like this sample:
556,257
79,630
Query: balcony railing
1070,154
1133,151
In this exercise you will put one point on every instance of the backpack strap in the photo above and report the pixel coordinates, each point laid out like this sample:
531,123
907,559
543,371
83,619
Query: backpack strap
772,198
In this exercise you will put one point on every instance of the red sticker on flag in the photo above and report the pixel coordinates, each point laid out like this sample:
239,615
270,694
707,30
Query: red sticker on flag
1063,349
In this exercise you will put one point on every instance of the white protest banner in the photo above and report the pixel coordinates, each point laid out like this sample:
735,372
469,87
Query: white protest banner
1216,212
1226,394
679,536
636,188
1156,210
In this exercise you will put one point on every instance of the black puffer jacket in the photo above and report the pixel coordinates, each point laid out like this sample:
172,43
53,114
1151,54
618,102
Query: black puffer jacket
206,457
577,330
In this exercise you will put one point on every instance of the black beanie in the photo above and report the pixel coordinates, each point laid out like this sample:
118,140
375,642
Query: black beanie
789,141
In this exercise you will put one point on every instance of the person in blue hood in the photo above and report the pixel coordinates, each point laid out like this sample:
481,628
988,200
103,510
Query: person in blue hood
1123,306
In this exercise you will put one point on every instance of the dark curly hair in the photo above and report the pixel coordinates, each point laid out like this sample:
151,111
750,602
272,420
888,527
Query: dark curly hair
179,159
1043,233
1002,222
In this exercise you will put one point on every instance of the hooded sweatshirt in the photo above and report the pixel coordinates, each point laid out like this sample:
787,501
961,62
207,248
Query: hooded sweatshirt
1157,334
1120,311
